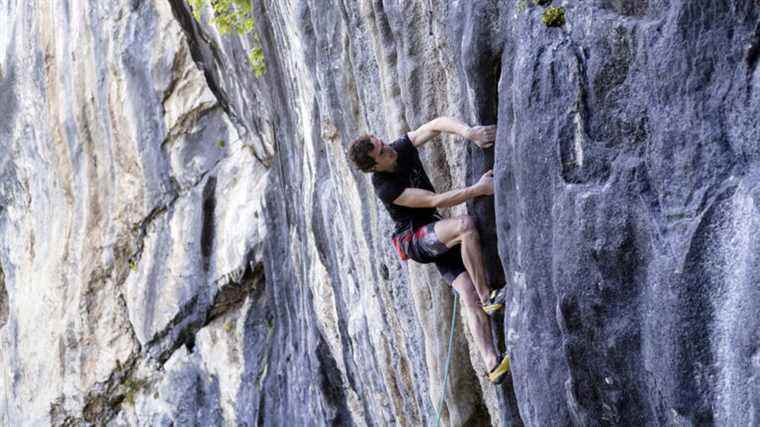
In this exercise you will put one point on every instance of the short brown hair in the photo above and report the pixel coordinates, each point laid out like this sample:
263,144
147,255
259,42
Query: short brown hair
359,150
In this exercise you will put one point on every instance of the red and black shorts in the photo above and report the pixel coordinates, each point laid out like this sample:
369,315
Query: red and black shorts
422,245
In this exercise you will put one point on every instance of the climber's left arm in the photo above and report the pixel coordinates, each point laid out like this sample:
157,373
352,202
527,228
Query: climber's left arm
481,135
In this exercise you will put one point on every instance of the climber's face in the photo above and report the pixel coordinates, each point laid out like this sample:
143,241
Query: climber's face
383,154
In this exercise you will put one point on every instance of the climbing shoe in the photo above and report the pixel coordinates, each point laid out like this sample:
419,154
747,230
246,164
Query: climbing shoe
495,301
498,373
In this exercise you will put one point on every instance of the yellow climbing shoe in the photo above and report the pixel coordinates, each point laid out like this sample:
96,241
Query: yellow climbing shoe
498,373
495,301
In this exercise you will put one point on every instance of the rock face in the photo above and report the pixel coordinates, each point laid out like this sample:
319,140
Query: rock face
628,211
187,244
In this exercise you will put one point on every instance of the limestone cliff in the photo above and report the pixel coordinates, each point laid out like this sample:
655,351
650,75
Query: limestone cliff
184,243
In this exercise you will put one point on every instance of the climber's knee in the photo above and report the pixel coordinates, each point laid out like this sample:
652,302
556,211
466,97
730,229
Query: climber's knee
466,224
466,290
452,231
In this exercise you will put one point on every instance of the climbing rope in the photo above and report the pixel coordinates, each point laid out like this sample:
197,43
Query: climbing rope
448,361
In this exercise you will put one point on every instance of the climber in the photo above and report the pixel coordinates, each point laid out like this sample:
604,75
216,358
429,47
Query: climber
422,235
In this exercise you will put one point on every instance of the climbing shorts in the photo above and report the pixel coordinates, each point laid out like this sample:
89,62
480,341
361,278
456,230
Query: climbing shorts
422,245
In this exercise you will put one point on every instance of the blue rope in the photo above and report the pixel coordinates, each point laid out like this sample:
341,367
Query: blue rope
448,362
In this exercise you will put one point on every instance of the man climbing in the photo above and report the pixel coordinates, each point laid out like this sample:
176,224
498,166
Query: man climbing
452,244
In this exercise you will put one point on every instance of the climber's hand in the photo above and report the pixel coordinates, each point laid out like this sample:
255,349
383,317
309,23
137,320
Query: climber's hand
485,184
484,136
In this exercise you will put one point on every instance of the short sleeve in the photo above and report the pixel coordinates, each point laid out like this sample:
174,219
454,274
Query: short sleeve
387,189
404,144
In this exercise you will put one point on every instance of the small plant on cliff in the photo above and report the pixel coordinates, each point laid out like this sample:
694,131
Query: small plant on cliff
554,17
132,387
256,59
542,2
229,327
234,16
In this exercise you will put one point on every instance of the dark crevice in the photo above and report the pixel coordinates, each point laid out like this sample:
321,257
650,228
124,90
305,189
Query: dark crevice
180,332
753,52
207,232
483,68
232,295
3,300
484,74
260,419
188,340
331,384
170,331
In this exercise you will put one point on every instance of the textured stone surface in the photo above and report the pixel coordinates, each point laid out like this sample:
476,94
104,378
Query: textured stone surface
186,244
115,246
627,194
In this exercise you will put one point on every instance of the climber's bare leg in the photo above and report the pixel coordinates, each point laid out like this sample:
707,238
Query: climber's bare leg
462,230
477,320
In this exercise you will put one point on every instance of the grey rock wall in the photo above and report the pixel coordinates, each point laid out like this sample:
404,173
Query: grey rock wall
123,218
627,212
187,244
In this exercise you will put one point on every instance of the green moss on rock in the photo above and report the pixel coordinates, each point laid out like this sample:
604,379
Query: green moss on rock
256,60
554,17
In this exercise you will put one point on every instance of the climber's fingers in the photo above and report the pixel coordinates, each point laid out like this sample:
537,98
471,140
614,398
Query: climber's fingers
484,136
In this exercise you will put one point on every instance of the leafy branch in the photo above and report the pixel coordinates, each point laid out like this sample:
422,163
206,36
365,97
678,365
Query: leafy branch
234,16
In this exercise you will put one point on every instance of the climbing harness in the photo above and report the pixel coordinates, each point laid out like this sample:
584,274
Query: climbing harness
448,361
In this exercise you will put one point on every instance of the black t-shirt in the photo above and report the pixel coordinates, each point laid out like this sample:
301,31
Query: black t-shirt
409,173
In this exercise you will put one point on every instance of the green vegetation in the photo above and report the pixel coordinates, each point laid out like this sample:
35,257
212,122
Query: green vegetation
132,264
229,326
554,17
229,15
256,59
132,388
234,16
220,143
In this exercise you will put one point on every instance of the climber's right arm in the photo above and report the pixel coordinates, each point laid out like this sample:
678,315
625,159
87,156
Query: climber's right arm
419,198
483,136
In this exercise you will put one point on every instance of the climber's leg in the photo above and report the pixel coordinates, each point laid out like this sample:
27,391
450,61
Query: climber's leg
462,230
426,245
477,320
